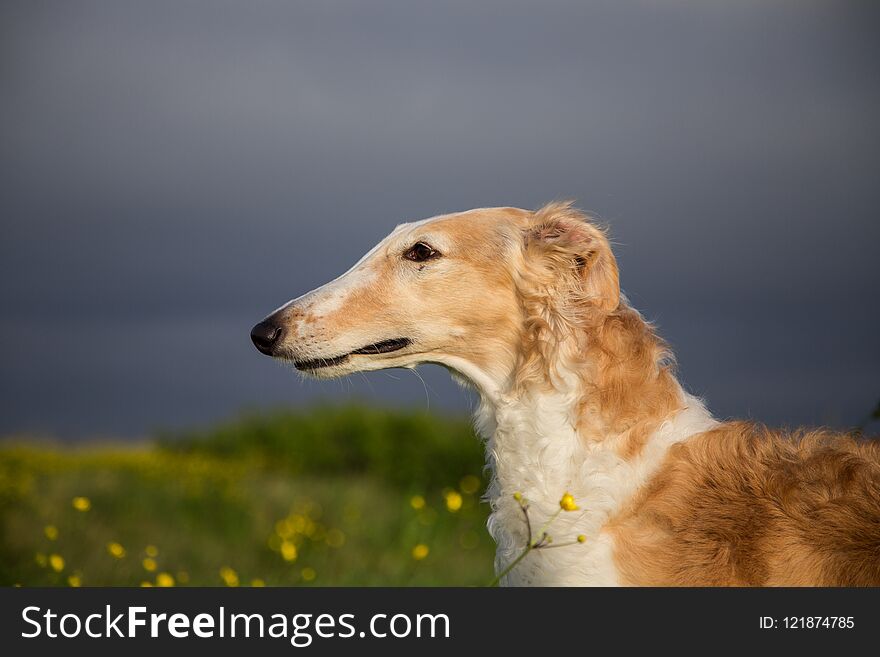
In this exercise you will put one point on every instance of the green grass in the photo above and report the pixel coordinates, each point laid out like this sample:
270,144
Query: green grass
337,484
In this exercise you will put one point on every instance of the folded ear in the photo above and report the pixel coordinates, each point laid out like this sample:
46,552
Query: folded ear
573,256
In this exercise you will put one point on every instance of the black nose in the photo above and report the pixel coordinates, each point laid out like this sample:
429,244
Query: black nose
265,336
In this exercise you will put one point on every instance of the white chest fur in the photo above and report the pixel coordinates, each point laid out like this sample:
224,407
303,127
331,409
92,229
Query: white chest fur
533,448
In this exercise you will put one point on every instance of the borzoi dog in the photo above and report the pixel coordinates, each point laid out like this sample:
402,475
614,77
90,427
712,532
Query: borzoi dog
578,394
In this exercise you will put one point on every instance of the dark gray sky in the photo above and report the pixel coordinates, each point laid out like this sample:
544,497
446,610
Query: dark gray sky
172,171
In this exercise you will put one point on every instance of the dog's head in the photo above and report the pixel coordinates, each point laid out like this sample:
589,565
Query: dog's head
467,290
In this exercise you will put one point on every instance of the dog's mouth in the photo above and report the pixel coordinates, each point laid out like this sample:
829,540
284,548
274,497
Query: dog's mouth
383,347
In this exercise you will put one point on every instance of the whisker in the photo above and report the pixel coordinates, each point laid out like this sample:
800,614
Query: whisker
425,386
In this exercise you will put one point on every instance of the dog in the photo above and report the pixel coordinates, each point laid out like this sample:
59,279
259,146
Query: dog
578,394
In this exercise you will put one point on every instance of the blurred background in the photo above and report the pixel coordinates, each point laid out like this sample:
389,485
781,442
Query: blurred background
170,172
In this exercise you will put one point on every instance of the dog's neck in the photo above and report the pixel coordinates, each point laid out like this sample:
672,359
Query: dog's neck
589,438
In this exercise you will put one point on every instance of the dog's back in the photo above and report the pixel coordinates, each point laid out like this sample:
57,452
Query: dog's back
753,507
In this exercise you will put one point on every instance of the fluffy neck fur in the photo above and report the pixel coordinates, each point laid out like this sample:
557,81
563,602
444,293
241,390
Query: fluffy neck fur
590,412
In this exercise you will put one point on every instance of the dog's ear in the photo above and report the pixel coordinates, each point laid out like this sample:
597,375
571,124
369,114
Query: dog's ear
569,251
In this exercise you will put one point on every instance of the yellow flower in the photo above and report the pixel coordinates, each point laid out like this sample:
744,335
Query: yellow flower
115,549
518,497
288,551
149,564
57,562
258,583
151,551
567,503
81,503
469,484
308,574
299,523
420,551
306,526
74,581
51,532
335,538
229,576
582,538
285,528
417,502
453,501
164,580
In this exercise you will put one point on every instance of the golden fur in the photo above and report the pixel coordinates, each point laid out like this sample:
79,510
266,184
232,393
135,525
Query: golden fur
743,505
571,298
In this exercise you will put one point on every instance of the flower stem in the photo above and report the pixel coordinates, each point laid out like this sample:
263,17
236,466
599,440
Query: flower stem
511,565
543,531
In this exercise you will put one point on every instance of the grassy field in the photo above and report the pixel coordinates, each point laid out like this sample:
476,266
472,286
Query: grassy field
334,496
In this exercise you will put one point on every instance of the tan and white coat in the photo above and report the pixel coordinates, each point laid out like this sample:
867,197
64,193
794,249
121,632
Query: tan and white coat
578,394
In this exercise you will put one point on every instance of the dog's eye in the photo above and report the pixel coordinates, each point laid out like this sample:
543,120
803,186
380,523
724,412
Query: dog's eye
420,252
